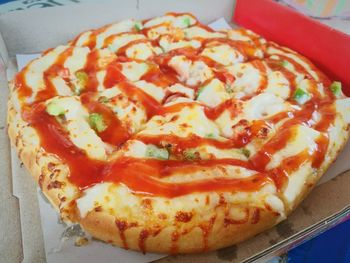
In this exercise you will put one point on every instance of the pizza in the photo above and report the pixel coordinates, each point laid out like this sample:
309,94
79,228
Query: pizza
163,135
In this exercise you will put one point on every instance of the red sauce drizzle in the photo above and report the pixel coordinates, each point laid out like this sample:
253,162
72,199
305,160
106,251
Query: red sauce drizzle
91,68
113,75
143,175
115,133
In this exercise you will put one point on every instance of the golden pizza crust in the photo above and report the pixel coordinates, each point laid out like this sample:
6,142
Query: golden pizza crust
206,235
179,230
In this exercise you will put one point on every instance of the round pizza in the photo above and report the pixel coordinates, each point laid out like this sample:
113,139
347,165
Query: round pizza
163,135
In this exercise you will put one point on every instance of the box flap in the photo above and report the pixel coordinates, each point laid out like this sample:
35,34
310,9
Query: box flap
39,29
327,47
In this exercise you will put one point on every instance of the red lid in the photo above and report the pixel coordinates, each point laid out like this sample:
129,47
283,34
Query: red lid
328,48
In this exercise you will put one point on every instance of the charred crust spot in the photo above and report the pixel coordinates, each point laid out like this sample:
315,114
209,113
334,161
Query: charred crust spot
17,140
51,166
41,180
156,231
21,165
184,125
174,238
222,200
146,204
98,208
162,216
133,224
206,229
174,118
121,225
55,185
183,216
20,153
263,132
207,200
142,238
255,216
63,199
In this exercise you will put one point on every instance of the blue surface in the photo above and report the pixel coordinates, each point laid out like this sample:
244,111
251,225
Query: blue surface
332,246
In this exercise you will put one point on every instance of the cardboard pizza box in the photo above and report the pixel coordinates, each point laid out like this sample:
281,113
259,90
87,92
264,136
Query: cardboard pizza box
22,236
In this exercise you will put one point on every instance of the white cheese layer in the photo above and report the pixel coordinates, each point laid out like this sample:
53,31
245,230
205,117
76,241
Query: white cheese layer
191,73
189,120
343,108
223,54
77,60
248,78
167,43
259,107
277,85
123,26
78,128
122,40
141,51
213,94
199,32
151,89
34,75
296,58
304,139
133,71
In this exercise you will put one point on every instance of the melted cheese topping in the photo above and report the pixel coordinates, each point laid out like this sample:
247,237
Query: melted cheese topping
247,80
198,32
167,43
184,114
223,54
151,89
190,120
80,132
123,26
303,139
35,70
278,85
213,93
133,70
191,73
122,40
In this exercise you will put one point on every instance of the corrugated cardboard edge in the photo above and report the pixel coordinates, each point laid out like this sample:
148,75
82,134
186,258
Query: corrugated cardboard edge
10,225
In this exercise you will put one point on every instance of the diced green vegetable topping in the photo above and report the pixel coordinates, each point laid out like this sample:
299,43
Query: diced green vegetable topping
228,89
138,26
54,109
96,122
301,96
199,91
210,135
81,83
246,152
191,154
76,90
103,99
187,21
157,153
336,88
285,63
